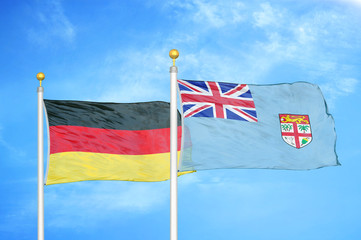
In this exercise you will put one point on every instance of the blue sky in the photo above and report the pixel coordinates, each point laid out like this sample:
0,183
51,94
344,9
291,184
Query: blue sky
118,51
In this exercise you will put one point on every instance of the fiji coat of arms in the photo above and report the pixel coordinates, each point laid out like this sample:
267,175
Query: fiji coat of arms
296,129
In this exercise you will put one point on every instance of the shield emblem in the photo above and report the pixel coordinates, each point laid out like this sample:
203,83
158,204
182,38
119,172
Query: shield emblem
296,129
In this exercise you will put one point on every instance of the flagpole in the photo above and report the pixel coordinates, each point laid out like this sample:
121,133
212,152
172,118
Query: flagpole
173,148
40,76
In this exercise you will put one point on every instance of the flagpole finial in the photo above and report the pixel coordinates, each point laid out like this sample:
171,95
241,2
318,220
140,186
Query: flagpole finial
174,55
40,76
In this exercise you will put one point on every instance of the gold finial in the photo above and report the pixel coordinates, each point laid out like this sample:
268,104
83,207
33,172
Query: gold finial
173,54
40,76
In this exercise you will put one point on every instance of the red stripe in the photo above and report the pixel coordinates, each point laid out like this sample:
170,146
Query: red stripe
189,86
197,110
245,113
193,98
237,89
85,139
218,99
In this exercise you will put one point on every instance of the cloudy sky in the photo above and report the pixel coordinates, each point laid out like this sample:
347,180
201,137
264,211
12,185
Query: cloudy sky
118,51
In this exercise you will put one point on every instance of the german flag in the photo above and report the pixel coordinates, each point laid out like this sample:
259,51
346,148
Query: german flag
108,141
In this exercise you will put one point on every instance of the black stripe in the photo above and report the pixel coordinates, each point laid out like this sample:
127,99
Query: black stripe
121,116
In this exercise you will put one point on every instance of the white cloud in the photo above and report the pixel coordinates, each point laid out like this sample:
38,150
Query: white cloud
147,74
304,34
345,87
241,201
338,88
348,85
352,2
14,151
214,14
84,204
19,219
187,180
268,16
52,24
312,41
218,15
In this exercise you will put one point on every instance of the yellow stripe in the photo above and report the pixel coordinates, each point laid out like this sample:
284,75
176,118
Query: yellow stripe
82,166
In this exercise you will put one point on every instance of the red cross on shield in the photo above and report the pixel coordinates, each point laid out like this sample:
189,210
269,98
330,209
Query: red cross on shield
296,129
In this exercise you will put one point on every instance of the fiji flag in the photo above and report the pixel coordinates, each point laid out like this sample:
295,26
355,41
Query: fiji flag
283,126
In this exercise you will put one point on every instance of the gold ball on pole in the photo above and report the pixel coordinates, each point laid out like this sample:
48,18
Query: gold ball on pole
40,76
174,55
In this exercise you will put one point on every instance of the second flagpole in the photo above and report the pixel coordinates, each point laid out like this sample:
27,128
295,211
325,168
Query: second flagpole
173,148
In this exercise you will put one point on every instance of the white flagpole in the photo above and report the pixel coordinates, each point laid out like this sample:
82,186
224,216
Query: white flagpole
40,76
173,148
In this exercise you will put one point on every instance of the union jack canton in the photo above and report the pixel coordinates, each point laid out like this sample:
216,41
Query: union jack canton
217,100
